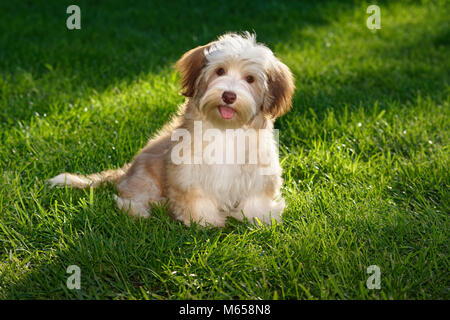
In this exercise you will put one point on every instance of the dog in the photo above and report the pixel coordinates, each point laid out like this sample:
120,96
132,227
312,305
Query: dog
233,84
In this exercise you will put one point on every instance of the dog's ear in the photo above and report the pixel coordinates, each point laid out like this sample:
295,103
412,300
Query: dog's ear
190,66
281,88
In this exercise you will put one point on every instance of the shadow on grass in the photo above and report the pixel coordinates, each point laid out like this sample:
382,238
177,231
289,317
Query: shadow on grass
406,71
121,42
119,257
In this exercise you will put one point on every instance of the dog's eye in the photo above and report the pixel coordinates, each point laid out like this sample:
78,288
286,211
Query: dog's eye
220,71
250,79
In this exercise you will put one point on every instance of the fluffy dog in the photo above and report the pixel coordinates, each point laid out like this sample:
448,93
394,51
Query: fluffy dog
233,84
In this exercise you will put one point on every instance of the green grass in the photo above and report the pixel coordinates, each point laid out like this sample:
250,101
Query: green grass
365,152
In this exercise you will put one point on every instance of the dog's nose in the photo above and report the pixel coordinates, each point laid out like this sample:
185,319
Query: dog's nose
229,97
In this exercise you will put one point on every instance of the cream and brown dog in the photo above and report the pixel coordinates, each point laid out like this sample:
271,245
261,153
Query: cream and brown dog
233,84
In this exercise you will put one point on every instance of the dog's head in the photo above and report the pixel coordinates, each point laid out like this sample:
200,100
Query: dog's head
234,78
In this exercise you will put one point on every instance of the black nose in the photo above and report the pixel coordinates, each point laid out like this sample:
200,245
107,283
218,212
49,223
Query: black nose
229,97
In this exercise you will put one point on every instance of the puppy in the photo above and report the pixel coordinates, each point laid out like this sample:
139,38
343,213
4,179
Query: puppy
235,88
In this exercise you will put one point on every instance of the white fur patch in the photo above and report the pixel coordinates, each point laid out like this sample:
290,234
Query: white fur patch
263,208
67,179
243,46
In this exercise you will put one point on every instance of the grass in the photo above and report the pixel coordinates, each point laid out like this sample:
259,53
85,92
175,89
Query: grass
365,152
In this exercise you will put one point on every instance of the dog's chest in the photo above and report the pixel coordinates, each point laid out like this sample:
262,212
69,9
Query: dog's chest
226,166
228,183
229,167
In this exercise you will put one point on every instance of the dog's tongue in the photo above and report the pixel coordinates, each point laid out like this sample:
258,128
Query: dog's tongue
226,112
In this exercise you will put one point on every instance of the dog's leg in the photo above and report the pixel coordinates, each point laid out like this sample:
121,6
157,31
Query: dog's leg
137,190
135,207
262,207
197,206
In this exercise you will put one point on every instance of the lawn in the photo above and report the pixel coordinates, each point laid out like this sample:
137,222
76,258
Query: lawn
365,152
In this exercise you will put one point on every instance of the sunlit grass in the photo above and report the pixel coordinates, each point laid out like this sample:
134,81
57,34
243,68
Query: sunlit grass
364,152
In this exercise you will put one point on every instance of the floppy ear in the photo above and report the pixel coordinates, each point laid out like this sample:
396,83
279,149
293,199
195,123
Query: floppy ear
281,88
190,66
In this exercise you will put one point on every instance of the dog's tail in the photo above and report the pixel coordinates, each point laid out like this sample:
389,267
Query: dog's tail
91,180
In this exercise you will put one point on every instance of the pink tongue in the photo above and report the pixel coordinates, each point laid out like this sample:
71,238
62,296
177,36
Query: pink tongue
226,112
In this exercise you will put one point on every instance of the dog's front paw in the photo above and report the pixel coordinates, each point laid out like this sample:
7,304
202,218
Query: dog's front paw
262,208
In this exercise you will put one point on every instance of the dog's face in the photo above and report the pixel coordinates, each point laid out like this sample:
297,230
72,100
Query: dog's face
234,79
